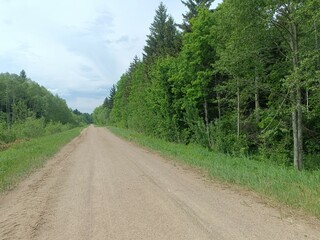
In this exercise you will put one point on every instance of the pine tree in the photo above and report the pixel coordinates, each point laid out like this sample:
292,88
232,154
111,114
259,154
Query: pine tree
192,6
111,96
23,74
164,38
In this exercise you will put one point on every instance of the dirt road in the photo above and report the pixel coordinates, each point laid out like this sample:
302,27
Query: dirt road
101,187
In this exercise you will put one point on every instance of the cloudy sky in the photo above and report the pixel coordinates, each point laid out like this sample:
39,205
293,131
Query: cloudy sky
76,48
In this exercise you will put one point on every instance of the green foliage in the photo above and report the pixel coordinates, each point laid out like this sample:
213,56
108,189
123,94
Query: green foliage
160,100
108,102
120,111
28,129
23,74
234,84
53,128
31,128
138,107
28,110
164,39
22,98
82,118
225,138
101,115
192,6
6,135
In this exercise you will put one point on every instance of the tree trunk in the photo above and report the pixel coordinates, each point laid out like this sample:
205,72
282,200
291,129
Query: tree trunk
219,106
205,104
296,100
297,130
7,107
289,29
238,110
315,34
307,99
316,42
299,164
295,136
256,97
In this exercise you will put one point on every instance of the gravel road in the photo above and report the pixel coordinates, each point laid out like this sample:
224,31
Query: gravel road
102,187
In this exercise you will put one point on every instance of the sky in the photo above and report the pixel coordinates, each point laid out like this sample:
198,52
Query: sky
76,48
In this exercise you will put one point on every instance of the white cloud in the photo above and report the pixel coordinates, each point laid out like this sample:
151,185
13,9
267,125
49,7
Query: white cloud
79,48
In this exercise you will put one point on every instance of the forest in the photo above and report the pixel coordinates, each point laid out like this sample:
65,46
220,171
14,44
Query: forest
242,79
28,110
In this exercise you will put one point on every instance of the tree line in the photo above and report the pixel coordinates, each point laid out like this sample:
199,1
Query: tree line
29,110
240,79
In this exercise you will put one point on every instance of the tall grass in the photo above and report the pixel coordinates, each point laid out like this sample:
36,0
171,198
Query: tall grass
299,190
22,158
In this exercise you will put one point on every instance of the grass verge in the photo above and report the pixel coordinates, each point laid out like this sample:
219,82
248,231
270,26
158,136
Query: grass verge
22,158
299,190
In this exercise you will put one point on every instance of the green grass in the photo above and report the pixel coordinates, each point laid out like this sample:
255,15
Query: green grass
22,158
298,190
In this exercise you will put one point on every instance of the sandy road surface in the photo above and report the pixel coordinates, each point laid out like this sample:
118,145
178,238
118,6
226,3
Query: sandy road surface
101,187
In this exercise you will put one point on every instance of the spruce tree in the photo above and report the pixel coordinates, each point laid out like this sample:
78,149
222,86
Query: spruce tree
23,74
164,38
192,6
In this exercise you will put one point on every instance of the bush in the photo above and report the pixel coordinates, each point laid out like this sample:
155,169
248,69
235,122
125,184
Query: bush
6,135
30,128
225,139
33,128
52,128
275,145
